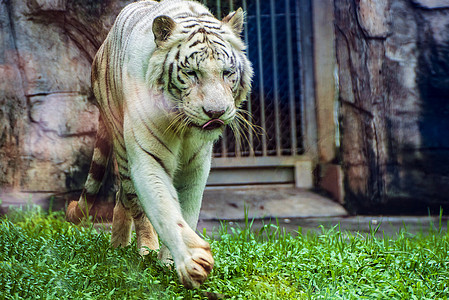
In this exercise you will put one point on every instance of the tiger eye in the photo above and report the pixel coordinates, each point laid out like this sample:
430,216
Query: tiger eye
227,73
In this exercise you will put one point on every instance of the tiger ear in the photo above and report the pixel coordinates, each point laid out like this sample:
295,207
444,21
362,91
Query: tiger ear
163,27
235,19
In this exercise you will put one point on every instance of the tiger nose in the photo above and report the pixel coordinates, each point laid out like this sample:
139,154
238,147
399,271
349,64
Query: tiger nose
214,114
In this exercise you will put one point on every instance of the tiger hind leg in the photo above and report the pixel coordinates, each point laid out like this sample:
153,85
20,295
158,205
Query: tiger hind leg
146,235
79,210
121,223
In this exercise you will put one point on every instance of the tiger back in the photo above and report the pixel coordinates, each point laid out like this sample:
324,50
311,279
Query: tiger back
168,78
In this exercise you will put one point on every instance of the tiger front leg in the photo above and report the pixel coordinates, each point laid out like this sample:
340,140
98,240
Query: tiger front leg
190,182
191,254
159,199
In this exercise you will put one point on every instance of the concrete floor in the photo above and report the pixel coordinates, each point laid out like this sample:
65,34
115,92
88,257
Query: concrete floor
277,201
295,210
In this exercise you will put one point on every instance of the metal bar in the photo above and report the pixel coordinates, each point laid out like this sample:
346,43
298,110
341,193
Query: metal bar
251,162
219,9
238,139
238,144
306,80
251,176
301,83
224,144
249,104
291,80
261,84
224,138
275,79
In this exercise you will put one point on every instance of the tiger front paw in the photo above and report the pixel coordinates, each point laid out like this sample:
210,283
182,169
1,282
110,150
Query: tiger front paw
193,271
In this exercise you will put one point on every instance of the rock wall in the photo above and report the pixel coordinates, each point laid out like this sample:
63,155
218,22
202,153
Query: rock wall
393,59
47,116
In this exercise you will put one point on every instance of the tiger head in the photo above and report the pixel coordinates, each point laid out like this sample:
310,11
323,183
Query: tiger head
200,66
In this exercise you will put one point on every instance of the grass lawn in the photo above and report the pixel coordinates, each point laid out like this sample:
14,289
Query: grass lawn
44,257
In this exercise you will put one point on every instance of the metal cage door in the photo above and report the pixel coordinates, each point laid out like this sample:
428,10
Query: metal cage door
275,153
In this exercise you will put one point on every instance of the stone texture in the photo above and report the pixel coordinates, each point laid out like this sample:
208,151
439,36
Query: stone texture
47,116
332,182
432,4
394,104
374,18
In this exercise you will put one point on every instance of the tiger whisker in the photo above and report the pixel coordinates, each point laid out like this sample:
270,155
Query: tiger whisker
256,129
242,126
174,122
182,124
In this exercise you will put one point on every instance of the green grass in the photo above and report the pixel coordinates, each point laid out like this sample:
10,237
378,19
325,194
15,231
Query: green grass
44,257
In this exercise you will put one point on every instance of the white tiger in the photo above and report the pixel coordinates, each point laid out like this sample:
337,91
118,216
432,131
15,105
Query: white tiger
167,79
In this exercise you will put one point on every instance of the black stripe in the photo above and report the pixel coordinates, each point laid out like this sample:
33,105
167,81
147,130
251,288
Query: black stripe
195,155
195,43
119,155
192,54
124,177
122,201
195,18
102,140
212,27
138,214
233,58
183,63
191,36
181,81
123,168
118,137
171,86
137,15
124,23
202,56
103,145
191,26
130,196
177,54
187,93
118,70
218,43
209,22
106,79
170,71
160,80
206,14
192,19
174,91
156,158
153,134
183,16
97,171
217,35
